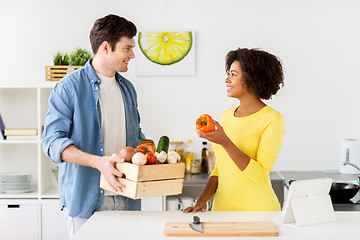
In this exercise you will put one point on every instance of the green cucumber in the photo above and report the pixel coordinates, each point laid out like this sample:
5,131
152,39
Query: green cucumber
163,144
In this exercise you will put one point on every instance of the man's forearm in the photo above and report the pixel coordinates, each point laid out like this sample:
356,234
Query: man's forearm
72,154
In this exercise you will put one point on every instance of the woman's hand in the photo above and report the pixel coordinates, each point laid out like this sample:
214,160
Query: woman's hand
199,206
218,136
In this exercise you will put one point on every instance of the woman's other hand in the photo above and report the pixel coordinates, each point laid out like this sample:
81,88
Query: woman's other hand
199,206
218,136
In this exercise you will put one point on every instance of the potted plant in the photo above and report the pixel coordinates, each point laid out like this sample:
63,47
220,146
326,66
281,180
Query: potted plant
79,57
63,63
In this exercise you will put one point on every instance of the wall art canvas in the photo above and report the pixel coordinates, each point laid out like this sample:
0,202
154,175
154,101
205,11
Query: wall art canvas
165,53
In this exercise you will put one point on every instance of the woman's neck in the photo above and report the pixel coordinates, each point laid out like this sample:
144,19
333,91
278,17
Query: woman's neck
249,105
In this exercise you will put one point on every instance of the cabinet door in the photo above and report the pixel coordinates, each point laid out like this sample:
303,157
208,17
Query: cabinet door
19,219
53,221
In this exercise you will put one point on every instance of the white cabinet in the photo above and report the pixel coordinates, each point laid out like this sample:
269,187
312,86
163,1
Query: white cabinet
24,105
53,223
19,219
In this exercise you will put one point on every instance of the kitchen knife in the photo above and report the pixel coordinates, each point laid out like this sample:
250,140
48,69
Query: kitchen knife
196,224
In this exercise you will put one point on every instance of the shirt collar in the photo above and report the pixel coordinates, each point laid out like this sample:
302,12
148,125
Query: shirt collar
94,78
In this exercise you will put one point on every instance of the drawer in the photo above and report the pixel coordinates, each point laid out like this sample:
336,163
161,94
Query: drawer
20,218
53,224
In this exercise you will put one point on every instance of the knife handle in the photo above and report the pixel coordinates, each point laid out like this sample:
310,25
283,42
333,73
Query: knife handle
196,220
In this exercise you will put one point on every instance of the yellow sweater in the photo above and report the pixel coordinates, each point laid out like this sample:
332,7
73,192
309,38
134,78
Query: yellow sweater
259,136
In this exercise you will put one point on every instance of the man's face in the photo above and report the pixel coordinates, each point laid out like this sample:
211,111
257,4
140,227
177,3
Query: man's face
124,51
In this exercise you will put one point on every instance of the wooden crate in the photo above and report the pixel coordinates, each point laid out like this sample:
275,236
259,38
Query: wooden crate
56,73
149,180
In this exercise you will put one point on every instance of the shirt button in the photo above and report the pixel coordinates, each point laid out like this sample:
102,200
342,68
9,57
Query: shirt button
102,191
98,80
97,88
101,149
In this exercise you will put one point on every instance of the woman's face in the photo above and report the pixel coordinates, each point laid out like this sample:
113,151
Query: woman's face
235,82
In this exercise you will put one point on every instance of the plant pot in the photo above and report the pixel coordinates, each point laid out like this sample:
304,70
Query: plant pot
56,73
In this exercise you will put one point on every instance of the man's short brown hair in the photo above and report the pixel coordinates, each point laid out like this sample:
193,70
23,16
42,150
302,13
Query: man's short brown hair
110,28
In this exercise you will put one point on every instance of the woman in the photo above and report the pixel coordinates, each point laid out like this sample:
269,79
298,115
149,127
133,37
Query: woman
247,142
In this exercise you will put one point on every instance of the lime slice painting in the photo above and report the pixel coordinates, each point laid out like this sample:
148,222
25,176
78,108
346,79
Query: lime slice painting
165,48
166,53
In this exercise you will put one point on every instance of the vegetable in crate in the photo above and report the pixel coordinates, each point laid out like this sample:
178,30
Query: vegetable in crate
205,123
147,144
139,159
127,153
163,144
150,158
173,157
161,157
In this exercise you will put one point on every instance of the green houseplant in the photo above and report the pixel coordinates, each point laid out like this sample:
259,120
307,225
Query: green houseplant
79,57
60,59
64,63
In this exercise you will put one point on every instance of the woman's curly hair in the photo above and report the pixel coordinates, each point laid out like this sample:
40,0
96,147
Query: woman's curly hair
262,72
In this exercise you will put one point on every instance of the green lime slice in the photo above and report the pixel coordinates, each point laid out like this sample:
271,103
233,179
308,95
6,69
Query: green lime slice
165,48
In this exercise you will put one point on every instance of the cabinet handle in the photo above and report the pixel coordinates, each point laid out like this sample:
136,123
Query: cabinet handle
13,206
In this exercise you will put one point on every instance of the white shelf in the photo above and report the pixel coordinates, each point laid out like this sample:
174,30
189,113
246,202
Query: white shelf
31,100
42,84
52,193
28,195
25,104
19,141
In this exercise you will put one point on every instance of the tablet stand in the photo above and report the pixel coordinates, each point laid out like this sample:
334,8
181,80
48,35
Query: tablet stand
309,203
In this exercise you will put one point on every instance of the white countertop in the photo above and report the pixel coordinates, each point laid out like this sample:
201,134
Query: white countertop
150,225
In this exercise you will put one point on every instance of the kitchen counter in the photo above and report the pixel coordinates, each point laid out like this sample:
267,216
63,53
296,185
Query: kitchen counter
150,225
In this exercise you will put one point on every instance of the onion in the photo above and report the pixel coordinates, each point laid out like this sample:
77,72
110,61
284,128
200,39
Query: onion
127,153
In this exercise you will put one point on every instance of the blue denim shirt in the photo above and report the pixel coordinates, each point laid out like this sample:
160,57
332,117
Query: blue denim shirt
74,117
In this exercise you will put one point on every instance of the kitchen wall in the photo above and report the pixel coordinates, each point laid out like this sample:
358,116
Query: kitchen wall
318,42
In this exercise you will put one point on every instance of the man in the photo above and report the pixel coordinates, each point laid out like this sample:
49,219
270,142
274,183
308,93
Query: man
92,114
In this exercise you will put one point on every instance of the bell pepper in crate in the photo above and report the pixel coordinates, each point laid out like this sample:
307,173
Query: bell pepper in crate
146,145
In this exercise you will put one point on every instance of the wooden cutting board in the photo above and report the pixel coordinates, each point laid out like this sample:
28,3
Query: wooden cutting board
222,229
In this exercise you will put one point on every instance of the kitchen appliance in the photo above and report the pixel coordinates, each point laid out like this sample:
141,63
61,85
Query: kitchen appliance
349,155
222,229
343,192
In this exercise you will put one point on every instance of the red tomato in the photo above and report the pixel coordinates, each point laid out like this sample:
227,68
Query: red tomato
150,158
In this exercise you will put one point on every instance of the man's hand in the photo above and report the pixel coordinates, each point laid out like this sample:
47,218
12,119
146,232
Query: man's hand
107,168
106,164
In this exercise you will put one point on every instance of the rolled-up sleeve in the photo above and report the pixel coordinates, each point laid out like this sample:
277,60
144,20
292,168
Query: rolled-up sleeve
214,172
269,148
57,123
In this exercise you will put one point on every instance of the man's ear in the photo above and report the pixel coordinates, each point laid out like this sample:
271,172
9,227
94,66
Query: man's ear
105,47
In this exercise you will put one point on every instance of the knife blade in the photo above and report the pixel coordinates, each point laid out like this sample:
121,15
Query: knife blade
196,224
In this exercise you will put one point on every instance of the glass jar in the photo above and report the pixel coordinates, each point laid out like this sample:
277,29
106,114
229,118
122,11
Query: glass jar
179,148
195,166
